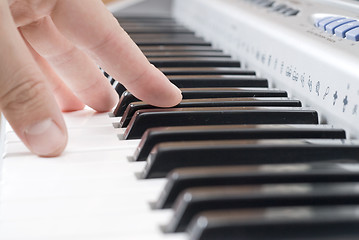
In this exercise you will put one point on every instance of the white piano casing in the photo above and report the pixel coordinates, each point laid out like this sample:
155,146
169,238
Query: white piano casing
290,51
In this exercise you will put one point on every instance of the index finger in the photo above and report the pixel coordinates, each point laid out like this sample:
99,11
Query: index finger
93,28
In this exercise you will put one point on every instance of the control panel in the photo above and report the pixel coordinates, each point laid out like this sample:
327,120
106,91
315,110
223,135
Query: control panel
313,53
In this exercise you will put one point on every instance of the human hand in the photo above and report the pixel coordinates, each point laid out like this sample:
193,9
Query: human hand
50,50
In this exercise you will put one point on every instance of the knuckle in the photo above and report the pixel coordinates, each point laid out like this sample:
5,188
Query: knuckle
103,41
25,95
109,37
28,11
64,57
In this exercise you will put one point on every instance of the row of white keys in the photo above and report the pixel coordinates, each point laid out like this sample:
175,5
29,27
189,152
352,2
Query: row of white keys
89,192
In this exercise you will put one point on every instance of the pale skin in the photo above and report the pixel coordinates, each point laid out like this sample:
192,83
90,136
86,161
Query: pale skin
50,50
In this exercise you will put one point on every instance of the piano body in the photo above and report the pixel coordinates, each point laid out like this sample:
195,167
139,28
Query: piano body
302,186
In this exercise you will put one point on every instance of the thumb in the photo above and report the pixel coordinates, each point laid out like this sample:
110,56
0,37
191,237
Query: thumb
33,114
25,98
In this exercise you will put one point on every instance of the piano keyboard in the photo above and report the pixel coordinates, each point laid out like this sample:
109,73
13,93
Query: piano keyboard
236,159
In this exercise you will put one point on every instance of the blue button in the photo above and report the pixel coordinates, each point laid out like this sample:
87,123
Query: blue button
353,34
343,29
324,22
320,19
332,26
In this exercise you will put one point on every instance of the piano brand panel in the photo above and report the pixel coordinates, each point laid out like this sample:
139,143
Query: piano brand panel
239,158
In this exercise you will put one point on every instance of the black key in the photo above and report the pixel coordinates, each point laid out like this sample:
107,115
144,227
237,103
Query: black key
201,81
140,18
140,36
154,136
173,42
178,48
146,19
184,178
286,223
194,62
152,30
160,54
112,81
120,89
212,102
167,156
167,40
196,200
138,24
206,81
156,27
106,74
149,118
198,93
207,71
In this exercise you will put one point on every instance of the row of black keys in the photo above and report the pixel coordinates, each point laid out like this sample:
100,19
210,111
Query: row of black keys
242,162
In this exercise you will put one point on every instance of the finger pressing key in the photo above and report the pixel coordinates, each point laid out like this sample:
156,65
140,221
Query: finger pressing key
94,30
78,71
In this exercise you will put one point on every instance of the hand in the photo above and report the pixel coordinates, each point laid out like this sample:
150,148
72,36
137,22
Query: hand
50,50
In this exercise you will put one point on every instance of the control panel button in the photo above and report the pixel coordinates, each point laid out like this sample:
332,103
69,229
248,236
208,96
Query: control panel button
330,28
267,4
317,20
280,7
290,12
353,34
343,29
324,22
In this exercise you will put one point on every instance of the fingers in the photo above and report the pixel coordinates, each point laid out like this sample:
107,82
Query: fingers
79,72
25,98
66,100
94,30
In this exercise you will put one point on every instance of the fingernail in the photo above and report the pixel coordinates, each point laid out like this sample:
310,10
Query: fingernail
45,138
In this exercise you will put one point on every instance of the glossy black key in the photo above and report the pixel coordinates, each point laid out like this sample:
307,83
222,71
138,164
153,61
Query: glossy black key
202,81
112,81
138,24
198,93
141,18
165,26
178,48
173,42
158,30
167,156
154,136
161,54
194,62
286,223
212,102
120,89
149,118
148,36
184,178
106,74
206,71
170,41
207,81
196,200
